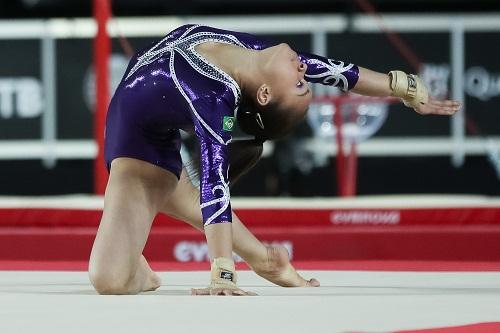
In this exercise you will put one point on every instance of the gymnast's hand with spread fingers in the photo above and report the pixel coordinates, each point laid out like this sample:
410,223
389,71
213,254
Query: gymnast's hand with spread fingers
433,106
223,280
221,292
408,87
275,268
414,94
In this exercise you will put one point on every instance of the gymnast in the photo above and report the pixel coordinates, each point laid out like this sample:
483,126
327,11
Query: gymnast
205,80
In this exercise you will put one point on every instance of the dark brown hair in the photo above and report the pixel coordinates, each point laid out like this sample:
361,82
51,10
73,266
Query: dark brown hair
264,123
243,155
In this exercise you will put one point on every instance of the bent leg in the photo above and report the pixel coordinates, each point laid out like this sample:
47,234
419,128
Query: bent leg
272,263
135,192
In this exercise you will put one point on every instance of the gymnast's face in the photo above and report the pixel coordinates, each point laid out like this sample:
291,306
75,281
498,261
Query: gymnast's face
284,80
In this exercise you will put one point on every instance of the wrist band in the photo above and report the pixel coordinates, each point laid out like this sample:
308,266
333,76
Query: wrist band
409,88
223,273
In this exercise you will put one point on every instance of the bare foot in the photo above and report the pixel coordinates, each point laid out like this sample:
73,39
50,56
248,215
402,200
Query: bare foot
278,270
152,281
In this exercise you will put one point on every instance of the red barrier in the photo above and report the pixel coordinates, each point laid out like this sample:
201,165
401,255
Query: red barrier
379,233
462,243
277,217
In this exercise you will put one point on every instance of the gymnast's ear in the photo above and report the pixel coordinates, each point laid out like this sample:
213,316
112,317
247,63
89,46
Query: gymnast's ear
264,95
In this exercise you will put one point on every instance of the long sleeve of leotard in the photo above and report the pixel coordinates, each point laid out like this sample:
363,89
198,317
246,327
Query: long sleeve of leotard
329,71
320,69
213,133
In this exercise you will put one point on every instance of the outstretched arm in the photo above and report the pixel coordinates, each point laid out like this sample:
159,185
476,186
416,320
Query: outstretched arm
371,83
363,81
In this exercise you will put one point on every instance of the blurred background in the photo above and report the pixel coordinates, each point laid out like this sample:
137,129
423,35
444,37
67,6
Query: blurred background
82,8
420,188
47,92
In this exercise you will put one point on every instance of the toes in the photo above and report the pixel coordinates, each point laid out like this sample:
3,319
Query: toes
312,283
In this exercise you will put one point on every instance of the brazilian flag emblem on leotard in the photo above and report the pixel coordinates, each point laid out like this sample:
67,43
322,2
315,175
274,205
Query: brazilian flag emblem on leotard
228,123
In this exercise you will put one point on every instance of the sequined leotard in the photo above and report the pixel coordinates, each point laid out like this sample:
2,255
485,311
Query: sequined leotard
170,87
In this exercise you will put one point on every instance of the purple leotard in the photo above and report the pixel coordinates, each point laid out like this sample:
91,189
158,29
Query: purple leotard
170,87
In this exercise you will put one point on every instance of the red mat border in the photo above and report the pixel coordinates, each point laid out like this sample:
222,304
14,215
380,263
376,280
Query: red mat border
362,265
484,327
